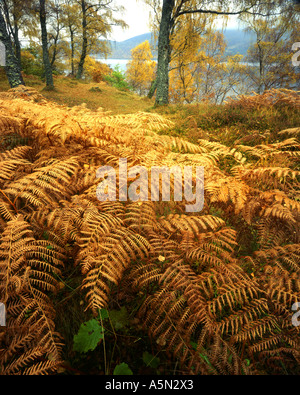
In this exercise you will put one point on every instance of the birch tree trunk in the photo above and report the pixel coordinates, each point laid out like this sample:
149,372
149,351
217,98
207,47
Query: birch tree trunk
46,60
84,41
164,52
12,67
72,52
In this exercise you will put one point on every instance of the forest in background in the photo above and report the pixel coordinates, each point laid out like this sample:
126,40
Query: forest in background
141,287
195,61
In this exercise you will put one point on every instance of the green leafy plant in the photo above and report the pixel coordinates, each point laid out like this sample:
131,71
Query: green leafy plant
119,318
118,79
150,360
88,336
122,369
32,63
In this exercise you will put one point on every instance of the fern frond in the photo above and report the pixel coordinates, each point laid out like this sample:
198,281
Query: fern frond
193,224
269,176
36,188
111,257
228,191
290,131
27,273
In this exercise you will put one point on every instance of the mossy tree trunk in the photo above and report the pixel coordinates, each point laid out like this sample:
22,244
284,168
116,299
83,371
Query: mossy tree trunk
72,52
164,52
46,59
152,89
84,41
17,43
12,66
13,28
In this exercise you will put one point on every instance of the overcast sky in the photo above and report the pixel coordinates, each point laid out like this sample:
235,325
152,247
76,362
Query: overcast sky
137,17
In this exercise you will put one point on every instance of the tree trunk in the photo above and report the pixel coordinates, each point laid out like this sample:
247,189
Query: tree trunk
17,40
17,46
164,52
84,42
13,32
46,60
72,52
12,67
152,89
260,89
54,51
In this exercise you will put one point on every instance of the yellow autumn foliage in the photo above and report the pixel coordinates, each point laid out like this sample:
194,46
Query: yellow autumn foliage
141,68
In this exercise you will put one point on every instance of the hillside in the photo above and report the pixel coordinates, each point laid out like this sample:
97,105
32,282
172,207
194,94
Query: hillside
72,92
237,40
122,49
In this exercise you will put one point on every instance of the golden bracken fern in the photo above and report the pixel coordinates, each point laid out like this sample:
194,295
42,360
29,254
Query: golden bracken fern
215,288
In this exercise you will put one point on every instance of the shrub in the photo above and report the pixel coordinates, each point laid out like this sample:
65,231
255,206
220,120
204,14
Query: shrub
118,79
96,70
31,62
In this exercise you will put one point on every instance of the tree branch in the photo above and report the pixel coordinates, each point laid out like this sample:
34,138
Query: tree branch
202,11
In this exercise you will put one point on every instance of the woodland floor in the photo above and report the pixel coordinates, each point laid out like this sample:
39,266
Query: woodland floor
205,293
71,92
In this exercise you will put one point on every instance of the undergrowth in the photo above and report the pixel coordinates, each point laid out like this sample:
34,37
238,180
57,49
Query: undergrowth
94,287
245,120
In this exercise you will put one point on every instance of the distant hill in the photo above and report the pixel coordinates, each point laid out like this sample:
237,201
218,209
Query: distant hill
122,49
237,42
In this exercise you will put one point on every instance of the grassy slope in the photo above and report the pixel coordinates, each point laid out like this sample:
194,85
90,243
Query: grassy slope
71,92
